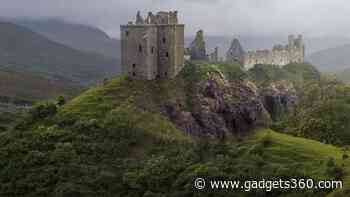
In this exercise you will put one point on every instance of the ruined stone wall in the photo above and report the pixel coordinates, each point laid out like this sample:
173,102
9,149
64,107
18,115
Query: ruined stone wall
171,50
280,55
214,56
137,58
179,49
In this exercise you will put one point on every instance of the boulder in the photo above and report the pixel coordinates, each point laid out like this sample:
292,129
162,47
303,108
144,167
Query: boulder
220,108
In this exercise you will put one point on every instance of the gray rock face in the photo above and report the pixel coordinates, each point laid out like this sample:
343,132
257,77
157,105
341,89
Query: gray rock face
279,99
220,108
197,47
235,53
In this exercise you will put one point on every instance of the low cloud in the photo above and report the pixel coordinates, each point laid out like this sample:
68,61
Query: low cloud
216,17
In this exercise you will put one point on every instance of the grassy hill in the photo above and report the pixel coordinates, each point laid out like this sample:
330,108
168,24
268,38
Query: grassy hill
31,87
22,49
19,89
77,36
113,140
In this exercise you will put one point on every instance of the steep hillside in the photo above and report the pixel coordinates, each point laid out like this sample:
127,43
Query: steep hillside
29,87
22,89
77,36
22,49
115,140
332,59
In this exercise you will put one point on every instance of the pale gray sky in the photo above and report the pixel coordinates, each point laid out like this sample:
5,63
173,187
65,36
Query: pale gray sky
216,17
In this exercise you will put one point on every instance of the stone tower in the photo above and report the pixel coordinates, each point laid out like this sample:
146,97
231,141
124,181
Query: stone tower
235,53
197,47
153,47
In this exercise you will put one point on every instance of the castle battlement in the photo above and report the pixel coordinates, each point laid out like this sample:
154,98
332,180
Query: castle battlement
293,52
153,47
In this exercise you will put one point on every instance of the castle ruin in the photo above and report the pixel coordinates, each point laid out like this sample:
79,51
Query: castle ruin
293,52
214,56
153,47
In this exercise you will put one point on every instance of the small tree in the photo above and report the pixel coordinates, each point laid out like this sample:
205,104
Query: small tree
61,101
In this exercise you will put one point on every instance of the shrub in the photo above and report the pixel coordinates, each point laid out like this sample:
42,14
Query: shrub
61,101
43,111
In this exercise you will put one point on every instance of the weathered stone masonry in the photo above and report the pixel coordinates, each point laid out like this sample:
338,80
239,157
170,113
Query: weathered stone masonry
153,47
293,52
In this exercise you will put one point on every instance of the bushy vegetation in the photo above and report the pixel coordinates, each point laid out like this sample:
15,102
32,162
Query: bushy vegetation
322,112
297,73
113,141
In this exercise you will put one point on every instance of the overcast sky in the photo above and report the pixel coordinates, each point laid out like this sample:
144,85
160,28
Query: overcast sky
216,17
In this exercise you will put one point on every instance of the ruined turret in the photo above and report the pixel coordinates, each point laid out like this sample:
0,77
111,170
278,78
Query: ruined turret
139,19
214,56
235,53
197,48
293,52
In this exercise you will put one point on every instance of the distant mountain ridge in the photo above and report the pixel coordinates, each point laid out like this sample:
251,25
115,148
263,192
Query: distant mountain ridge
24,50
333,59
77,36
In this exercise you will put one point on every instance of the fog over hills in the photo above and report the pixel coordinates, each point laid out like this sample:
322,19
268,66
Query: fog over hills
78,36
25,50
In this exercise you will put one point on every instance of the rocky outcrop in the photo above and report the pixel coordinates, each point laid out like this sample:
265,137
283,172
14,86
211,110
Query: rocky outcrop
279,99
219,108
197,47
235,53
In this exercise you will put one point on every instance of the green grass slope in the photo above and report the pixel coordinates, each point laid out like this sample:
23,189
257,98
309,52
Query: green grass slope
310,155
114,141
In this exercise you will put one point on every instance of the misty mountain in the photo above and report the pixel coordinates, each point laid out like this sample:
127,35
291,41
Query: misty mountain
332,59
24,50
77,36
